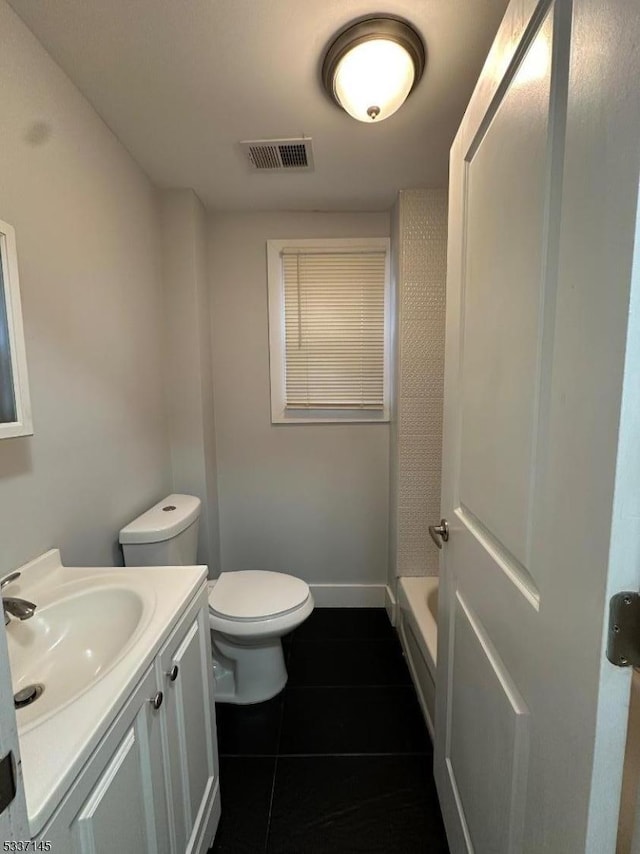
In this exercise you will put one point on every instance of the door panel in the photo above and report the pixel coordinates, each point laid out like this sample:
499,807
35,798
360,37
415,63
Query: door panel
506,198
489,738
541,419
127,808
197,760
149,730
120,793
190,729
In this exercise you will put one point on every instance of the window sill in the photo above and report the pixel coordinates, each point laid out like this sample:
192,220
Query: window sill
349,416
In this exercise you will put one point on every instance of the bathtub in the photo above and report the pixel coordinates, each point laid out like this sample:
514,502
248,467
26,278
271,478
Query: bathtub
418,630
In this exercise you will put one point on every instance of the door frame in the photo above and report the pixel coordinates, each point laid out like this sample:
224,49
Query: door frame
14,823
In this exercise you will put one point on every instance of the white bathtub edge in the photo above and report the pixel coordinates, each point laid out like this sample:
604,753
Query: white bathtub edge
418,634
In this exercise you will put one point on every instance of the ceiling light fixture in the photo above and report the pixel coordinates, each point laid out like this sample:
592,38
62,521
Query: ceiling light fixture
371,67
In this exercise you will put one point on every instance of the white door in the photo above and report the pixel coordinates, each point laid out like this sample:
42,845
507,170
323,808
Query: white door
541,470
190,734
13,820
126,811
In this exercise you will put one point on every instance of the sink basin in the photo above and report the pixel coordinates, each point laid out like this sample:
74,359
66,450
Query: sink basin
69,644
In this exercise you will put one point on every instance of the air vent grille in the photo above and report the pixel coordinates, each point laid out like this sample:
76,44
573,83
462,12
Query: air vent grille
279,154
293,156
264,157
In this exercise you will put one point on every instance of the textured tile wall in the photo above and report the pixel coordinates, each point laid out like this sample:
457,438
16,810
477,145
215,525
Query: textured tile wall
419,237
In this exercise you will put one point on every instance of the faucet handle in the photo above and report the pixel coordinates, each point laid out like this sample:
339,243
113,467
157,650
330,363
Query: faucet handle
8,579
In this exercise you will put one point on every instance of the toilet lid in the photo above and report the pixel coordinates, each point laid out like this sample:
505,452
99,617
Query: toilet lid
255,594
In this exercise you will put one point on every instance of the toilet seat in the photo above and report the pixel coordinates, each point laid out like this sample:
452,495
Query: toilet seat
256,595
257,604
249,612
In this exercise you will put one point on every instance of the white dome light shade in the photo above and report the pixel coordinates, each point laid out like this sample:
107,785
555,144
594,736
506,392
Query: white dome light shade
371,67
373,79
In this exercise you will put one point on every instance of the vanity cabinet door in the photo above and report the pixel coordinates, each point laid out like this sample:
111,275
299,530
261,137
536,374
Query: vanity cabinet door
126,810
190,743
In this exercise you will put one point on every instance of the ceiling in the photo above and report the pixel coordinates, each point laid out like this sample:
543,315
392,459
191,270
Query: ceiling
181,82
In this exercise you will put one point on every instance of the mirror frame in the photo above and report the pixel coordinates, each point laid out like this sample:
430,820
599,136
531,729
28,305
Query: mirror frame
23,425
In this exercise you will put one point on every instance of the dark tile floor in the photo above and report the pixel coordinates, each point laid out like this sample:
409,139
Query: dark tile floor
340,762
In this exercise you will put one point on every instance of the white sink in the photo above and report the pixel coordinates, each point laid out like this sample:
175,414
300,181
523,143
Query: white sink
70,644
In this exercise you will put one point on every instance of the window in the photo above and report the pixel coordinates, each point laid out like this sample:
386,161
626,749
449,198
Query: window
329,330
15,407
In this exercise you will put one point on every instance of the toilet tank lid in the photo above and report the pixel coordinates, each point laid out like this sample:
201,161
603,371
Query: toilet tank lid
164,520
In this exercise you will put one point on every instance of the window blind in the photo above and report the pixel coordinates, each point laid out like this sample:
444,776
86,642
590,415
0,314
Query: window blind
334,329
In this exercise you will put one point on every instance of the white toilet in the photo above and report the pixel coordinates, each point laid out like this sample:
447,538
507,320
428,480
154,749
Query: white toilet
249,611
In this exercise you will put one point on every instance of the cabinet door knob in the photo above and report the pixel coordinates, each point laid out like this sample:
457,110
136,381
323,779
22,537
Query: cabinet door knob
156,701
173,673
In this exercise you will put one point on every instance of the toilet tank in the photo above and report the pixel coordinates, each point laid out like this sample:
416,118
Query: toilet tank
166,535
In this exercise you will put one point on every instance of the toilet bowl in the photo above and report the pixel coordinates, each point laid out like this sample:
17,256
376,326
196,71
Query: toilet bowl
249,610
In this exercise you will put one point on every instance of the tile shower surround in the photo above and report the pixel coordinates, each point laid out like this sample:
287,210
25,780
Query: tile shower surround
420,268
340,761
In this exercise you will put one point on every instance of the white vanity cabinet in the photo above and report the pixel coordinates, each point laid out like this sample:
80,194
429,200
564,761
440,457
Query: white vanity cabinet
151,785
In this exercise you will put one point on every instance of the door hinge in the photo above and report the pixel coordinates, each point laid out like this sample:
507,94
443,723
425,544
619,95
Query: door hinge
7,780
623,641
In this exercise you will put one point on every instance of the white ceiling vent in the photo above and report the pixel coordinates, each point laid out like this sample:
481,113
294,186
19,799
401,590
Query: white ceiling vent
279,154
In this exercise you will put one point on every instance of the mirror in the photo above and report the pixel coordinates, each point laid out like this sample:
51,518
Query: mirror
15,406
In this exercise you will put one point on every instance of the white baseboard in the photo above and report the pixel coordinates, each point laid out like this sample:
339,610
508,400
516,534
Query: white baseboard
391,605
348,595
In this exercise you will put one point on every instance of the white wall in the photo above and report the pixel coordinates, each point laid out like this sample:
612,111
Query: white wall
187,361
306,499
87,233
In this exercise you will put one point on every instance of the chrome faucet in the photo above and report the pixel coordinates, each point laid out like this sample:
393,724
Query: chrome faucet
12,606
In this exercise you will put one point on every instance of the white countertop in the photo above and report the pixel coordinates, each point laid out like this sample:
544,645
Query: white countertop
54,750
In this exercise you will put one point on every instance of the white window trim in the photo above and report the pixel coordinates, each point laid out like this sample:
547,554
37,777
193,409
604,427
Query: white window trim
275,281
23,425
